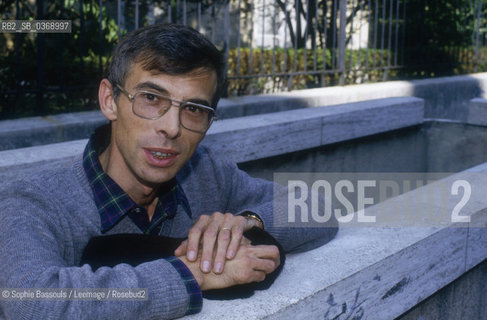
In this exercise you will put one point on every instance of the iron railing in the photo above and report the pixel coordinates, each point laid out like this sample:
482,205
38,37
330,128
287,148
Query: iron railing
271,46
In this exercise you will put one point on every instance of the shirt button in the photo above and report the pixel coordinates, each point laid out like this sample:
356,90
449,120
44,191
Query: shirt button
138,210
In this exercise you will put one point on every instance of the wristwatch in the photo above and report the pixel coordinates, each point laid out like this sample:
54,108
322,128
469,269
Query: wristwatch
252,215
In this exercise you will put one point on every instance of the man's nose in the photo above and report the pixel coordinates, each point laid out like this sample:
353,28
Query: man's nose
169,123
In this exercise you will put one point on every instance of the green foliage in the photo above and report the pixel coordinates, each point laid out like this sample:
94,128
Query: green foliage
72,63
271,67
439,37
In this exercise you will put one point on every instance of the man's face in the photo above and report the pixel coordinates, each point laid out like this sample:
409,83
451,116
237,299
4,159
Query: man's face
151,152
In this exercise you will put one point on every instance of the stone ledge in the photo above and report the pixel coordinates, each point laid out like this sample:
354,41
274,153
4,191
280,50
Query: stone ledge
250,138
445,97
261,136
34,131
371,273
477,112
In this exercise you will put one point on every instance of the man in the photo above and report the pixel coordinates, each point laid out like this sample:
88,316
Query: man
145,174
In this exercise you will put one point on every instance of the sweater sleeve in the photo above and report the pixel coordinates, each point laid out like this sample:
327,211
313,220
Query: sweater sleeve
269,201
40,248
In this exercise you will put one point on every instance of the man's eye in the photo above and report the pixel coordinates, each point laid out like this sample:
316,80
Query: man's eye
150,98
193,108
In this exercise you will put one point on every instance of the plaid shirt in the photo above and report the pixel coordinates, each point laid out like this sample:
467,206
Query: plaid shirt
114,204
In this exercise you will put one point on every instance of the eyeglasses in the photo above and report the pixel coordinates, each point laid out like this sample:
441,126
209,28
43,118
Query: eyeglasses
152,106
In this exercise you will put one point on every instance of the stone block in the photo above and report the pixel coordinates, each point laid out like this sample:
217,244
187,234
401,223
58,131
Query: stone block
477,111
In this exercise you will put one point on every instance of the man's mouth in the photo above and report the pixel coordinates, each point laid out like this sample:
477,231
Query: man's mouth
161,155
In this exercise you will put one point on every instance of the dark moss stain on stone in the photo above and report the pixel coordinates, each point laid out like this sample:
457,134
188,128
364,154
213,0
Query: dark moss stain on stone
396,288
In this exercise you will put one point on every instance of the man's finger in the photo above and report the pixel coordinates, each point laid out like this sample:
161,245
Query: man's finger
209,238
181,249
265,251
224,236
194,237
265,265
259,276
237,234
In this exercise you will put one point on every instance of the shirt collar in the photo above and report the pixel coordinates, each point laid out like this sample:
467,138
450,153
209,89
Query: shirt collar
112,201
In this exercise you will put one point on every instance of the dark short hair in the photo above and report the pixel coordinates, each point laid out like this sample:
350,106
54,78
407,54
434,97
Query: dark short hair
167,48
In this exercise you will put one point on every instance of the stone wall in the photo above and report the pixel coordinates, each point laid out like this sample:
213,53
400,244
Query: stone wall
366,272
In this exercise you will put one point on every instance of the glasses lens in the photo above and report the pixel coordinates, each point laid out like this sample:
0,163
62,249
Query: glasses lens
149,105
194,117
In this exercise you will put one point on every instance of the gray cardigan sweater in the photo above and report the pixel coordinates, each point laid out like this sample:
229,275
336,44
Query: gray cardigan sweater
47,219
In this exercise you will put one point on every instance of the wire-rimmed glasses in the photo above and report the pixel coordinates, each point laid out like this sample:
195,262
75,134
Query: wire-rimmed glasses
152,106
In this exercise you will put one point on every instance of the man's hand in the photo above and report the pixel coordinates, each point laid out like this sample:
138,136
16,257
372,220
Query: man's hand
251,264
220,232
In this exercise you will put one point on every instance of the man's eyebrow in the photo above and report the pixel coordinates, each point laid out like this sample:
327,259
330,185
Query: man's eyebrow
154,86
200,101
150,85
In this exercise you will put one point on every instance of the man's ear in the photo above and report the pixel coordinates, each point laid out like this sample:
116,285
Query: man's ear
107,100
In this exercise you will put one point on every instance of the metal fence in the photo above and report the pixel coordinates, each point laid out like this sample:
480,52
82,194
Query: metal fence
271,46
291,44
